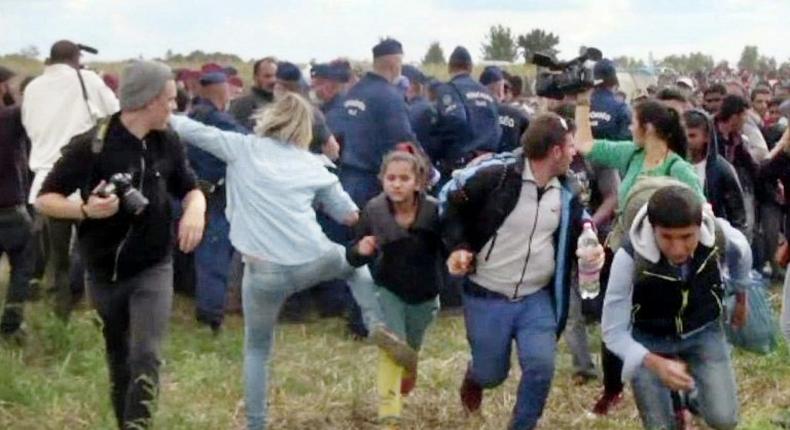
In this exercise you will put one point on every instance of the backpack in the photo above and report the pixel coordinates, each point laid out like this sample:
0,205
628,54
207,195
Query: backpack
637,196
461,176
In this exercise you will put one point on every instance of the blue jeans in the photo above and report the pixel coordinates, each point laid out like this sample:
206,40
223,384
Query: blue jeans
708,357
212,265
265,287
491,327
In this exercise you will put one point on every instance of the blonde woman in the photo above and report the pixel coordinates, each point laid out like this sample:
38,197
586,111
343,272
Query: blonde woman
273,185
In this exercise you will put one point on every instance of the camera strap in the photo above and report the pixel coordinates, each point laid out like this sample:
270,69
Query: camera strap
85,97
97,142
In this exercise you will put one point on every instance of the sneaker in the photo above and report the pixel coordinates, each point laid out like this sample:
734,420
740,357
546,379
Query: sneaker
390,342
607,402
471,393
408,382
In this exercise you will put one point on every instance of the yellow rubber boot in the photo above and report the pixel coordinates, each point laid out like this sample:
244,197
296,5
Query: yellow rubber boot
388,382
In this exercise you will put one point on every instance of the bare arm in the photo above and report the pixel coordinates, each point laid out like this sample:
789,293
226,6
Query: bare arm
59,206
190,228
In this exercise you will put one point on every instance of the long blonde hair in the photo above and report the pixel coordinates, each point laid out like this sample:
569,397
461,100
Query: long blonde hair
289,119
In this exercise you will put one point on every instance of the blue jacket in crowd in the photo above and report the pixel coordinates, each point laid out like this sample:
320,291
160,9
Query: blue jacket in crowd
208,167
332,111
468,119
609,117
372,119
423,118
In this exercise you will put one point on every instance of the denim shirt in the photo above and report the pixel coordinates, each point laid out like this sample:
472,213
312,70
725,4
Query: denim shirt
272,189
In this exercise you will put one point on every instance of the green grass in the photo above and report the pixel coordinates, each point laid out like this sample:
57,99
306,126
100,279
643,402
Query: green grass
321,380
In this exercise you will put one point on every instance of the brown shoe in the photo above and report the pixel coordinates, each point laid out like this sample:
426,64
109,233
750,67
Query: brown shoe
471,393
607,402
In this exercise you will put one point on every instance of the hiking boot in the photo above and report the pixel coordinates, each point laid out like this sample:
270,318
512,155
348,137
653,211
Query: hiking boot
393,345
607,402
471,393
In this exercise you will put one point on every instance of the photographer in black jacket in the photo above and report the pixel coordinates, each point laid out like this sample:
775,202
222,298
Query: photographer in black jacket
124,235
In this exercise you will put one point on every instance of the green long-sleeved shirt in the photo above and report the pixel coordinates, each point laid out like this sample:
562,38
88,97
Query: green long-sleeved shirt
629,160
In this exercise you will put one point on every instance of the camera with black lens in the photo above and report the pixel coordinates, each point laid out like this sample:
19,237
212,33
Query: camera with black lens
120,184
565,78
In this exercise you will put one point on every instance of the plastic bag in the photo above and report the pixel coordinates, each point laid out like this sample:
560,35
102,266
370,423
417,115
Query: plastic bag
760,332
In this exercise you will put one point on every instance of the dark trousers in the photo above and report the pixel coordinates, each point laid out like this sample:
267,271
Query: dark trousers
611,364
67,273
212,264
16,240
135,314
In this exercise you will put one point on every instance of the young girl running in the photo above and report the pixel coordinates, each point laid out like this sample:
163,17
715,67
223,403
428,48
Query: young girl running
399,236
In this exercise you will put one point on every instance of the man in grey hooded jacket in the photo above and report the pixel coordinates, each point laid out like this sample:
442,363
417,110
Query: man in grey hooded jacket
663,309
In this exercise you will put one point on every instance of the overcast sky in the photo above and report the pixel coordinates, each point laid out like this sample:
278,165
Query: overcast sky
300,30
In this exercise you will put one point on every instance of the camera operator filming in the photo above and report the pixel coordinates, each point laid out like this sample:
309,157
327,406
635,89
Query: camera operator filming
127,169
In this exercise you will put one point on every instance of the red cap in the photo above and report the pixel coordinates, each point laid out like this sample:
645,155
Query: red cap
236,81
211,67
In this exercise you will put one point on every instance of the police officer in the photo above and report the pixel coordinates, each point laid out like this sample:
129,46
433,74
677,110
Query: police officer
289,79
422,113
374,119
328,297
610,118
468,117
512,120
371,121
328,84
213,256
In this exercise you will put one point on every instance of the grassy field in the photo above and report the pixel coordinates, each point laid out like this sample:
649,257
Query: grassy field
321,380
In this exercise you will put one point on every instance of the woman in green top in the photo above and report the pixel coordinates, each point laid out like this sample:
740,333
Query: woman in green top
658,149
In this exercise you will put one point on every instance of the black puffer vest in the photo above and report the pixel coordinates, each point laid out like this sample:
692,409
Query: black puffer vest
666,305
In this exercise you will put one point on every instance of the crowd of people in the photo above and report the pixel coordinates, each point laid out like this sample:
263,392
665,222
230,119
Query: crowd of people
386,195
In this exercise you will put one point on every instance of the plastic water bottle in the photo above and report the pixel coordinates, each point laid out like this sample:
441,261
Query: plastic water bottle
589,276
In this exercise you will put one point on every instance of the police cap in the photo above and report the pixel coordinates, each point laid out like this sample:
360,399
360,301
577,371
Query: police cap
387,47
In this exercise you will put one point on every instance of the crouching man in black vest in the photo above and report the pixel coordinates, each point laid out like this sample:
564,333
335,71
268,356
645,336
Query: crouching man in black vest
663,313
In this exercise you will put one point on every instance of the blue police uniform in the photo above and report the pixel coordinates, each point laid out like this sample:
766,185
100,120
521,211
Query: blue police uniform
373,118
514,123
213,255
609,117
468,121
423,118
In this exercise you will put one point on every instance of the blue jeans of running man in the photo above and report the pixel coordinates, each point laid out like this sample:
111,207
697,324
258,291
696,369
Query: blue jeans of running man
492,324
264,289
212,265
708,357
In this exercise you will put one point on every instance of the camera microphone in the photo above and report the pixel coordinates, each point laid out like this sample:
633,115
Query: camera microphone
544,60
88,49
